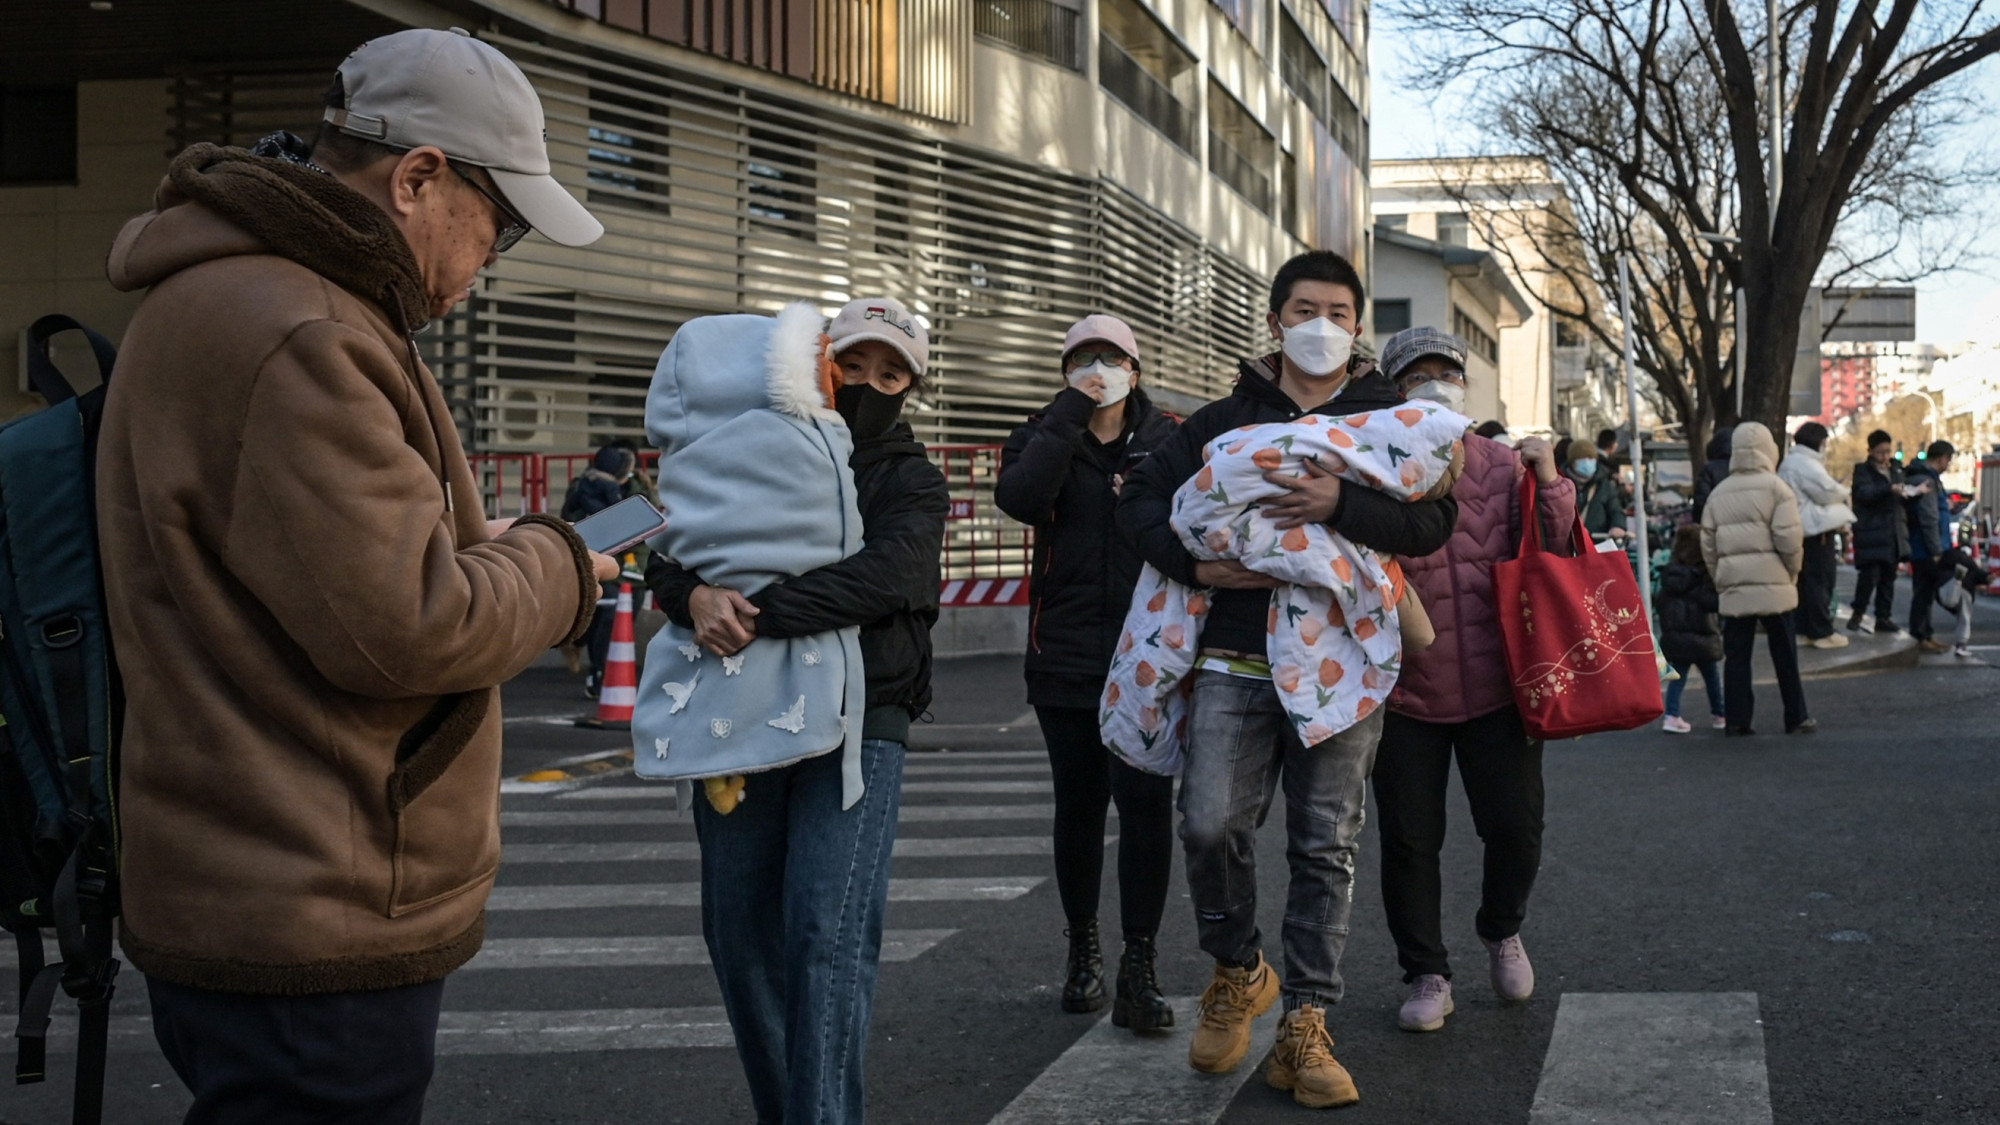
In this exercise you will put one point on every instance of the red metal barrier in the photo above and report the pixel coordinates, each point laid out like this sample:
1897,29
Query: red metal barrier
511,484
986,554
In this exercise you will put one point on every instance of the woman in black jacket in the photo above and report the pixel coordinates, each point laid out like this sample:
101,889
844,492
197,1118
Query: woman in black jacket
1061,472
1881,535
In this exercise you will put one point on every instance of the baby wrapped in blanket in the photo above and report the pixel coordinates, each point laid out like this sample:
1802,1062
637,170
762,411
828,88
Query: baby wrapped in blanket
756,487
1333,637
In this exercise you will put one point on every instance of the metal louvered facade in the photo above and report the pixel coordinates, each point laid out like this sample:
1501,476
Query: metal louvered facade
722,190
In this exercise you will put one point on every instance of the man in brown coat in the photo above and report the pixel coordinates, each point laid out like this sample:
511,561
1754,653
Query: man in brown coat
310,611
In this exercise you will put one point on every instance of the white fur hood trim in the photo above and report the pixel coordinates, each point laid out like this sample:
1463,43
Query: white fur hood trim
793,364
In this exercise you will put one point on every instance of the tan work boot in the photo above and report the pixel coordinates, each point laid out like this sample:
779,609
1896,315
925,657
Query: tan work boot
1222,1028
1304,1064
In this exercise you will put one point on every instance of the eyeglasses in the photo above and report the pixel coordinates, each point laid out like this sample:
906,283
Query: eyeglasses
1413,378
513,230
1081,358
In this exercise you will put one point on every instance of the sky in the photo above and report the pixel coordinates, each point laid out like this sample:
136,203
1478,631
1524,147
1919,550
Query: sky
1952,308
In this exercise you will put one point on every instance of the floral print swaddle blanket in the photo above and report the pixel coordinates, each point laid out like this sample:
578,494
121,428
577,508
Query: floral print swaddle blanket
1333,637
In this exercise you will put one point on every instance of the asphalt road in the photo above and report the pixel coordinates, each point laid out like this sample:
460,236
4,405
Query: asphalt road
1845,882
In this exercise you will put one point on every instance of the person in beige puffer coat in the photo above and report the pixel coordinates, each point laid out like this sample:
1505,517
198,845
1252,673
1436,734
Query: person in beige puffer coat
1754,545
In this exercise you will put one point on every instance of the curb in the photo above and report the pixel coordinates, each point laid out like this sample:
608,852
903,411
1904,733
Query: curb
571,773
1900,653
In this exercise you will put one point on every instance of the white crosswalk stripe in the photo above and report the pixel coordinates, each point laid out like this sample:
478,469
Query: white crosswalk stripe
652,949
550,915
630,851
910,814
596,896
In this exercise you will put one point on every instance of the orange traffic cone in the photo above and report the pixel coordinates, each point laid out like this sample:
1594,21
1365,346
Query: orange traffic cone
619,692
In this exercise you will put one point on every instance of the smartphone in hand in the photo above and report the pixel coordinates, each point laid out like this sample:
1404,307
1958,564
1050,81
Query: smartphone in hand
623,525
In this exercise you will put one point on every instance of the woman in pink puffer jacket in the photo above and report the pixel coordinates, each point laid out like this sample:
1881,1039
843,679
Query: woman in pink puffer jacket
1455,698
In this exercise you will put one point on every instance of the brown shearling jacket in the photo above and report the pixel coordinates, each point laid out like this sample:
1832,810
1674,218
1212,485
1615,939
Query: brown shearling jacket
308,612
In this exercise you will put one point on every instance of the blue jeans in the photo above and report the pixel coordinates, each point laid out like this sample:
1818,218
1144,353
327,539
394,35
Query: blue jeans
1711,682
793,890
1241,747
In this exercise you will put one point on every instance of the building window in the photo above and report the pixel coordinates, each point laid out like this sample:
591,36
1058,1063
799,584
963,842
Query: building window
1293,216
626,153
1398,223
782,186
1239,150
1568,335
37,134
1391,317
1476,338
1303,70
1142,65
1454,228
1040,28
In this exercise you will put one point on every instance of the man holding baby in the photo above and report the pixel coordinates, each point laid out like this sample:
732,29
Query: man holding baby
1241,742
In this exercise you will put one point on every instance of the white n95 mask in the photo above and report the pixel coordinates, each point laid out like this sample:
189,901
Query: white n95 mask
1445,393
1319,346
1117,381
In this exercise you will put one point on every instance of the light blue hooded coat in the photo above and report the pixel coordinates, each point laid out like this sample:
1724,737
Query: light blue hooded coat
756,487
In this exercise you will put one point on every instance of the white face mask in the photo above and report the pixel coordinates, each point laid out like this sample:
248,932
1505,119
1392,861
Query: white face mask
1319,346
1117,381
1445,393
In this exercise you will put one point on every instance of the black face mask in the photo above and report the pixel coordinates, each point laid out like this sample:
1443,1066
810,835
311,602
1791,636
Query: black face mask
869,412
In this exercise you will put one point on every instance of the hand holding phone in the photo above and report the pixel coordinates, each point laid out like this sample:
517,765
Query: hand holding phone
623,525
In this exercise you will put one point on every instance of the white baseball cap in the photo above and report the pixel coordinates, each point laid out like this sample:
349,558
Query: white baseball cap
884,319
453,92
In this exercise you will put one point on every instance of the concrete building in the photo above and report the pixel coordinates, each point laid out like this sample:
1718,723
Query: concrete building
1552,377
1004,166
1421,280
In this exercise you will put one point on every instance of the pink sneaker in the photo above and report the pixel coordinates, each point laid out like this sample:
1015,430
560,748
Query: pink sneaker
1513,977
1674,724
1719,722
1428,1004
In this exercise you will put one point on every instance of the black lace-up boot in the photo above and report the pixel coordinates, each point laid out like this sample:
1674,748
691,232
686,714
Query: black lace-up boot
1084,990
1140,1005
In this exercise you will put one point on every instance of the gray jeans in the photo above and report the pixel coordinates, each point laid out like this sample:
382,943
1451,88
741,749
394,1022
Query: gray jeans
1241,745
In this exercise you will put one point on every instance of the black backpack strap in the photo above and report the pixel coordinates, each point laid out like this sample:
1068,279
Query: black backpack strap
83,930
38,994
43,375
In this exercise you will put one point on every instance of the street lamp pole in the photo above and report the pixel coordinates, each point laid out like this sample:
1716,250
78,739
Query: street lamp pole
1645,558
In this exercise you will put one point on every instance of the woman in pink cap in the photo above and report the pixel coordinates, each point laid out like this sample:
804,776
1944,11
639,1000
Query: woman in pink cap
1061,472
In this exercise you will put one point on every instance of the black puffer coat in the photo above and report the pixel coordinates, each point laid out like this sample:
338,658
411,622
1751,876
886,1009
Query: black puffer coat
1688,610
889,587
1881,533
1713,470
1057,477
1373,519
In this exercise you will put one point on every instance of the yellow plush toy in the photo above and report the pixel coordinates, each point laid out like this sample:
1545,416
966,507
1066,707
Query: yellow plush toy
724,793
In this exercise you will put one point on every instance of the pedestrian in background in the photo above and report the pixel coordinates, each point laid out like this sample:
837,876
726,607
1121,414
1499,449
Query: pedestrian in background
1823,514
1881,535
1687,608
1959,594
311,611
595,489
795,926
1597,496
1928,507
1712,472
1061,473
1242,744
1754,546
1455,700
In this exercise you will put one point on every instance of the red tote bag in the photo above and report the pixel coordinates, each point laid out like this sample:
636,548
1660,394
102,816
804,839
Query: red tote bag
1579,649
